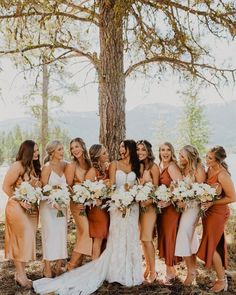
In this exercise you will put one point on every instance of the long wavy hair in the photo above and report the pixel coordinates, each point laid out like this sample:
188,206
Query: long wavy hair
84,148
130,145
193,158
220,156
25,156
95,153
148,147
50,148
170,146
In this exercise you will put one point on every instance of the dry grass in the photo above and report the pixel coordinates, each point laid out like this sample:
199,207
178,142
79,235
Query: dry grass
8,287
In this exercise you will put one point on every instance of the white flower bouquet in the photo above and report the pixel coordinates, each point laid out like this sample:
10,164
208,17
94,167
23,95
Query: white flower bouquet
122,199
181,192
144,193
58,196
204,193
25,192
162,193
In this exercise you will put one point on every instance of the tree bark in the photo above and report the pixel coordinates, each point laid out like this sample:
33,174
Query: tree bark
111,78
44,113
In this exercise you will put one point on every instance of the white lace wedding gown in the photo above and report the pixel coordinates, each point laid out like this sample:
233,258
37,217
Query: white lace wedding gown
120,262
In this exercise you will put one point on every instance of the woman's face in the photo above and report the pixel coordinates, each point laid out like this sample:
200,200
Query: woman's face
165,153
104,156
58,153
76,149
123,151
210,159
141,152
36,152
183,158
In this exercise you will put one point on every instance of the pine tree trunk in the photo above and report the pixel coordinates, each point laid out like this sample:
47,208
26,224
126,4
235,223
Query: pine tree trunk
111,78
44,114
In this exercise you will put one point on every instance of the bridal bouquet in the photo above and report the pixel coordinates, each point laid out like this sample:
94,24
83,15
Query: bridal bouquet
204,193
144,193
122,198
25,192
181,192
162,193
58,196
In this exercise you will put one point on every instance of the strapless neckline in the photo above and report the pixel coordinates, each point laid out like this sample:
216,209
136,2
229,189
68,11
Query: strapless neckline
126,173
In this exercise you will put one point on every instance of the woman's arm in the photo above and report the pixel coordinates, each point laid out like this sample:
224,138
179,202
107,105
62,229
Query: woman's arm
174,172
70,173
155,174
200,174
112,172
11,177
45,174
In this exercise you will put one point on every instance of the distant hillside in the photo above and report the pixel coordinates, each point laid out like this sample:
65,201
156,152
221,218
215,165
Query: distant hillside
145,121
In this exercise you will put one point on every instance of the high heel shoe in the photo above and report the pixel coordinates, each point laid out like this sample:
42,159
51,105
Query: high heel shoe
191,278
146,273
152,277
219,286
24,283
46,274
169,280
70,266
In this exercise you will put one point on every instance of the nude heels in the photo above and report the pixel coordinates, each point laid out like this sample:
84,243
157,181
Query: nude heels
24,283
219,286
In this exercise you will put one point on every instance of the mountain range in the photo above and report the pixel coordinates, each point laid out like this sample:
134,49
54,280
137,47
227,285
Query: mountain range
153,122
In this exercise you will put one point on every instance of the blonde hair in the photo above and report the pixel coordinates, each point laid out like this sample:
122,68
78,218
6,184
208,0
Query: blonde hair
170,146
50,148
193,158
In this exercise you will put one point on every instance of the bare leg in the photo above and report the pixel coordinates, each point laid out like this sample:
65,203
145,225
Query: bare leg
47,271
191,268
75,260
221,282
150,256
96,251
20,274
147,269
58,270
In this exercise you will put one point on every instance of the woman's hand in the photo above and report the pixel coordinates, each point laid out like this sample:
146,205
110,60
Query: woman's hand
163,204
181,205
98,202
206,205
25,205
146,203
56,206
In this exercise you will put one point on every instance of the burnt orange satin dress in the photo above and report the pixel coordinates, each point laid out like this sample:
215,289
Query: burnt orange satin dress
213,237
20,232
83,243
98,218
167,226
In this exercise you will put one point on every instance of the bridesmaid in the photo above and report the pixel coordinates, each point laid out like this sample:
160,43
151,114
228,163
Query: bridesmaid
167,222
75,174
148,218
54,229
187,241
20,234
212,249
98,218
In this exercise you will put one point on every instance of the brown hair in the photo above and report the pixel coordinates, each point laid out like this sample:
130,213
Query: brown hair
193,158
95,153
220,156
85,151
25,156
148,147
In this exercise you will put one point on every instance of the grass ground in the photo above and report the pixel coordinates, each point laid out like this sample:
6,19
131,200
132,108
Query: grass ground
8,287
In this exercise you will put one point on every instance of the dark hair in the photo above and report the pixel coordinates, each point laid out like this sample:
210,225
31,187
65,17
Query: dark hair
148,147
25,156
85,151
130,145
220,156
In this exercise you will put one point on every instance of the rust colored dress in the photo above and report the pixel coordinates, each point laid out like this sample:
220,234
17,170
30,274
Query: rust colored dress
20,232
98,218
83,243
213,237
167,226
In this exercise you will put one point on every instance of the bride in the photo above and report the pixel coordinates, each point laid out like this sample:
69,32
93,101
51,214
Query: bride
121,261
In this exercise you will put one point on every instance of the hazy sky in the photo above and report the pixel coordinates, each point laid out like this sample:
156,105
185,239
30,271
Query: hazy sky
139,91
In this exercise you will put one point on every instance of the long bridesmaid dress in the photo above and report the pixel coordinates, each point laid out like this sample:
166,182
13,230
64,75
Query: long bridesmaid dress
20,232
167,226
84,242
54,229
213,238
98,218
